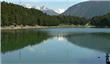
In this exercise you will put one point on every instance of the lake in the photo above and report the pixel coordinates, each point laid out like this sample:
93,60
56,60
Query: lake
55,46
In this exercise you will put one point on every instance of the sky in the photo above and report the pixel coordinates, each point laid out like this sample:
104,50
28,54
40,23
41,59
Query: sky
57,5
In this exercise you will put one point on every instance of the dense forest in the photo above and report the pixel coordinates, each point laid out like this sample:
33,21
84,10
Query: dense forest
101,21
13,14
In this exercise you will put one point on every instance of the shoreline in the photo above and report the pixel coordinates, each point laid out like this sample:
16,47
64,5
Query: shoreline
38,27
20,27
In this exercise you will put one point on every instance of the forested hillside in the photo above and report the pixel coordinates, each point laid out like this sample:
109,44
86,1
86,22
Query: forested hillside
13,14
101,21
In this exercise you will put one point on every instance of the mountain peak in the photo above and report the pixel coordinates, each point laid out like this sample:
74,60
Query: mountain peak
48,11
44,8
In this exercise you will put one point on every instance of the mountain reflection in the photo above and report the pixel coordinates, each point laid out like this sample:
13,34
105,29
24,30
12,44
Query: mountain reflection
18,39
96,41
51,40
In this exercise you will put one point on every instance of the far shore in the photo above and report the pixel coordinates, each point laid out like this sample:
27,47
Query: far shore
20,27
33,27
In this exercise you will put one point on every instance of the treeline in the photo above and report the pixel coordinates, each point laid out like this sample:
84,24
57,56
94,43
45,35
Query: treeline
13,14
101,21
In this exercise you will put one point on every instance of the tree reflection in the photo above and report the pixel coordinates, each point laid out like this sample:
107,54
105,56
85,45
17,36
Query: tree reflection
17,39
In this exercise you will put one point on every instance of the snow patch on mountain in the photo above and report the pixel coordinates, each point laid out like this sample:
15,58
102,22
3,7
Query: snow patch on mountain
60,11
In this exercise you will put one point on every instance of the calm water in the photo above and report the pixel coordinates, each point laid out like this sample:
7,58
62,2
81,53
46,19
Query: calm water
55,46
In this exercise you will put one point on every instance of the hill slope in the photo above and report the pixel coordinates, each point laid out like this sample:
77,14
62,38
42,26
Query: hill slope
89,9
13,14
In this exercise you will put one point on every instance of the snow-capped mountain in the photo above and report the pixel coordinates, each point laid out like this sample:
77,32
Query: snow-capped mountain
60,10
48,11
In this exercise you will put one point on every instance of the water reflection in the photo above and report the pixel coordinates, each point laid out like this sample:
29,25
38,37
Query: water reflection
55,45
18,39
96,41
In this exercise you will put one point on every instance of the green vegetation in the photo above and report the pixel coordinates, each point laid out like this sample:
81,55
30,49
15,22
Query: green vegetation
14,40
13,14
101,21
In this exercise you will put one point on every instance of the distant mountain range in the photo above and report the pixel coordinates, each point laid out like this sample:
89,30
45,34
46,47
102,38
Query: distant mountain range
48,11
44,9
88,9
